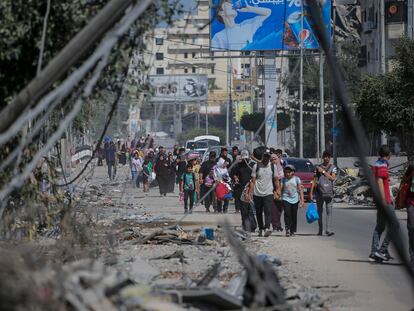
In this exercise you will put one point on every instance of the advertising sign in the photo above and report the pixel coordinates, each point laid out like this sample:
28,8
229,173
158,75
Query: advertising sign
242,107
255,25
188,87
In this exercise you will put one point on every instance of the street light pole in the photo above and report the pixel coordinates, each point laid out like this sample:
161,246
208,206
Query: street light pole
322,102
334,130
301,91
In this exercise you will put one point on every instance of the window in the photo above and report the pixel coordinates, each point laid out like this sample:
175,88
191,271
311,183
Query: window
159,56
193,70
159,41
185,70
212,70
185,55
160,71
194,54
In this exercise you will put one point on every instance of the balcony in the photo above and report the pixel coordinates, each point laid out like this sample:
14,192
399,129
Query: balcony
189,48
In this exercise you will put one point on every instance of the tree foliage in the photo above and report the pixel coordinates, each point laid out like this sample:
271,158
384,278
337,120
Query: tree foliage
386,102
251,122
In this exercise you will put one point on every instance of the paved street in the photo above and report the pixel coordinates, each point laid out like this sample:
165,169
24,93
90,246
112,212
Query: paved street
337,264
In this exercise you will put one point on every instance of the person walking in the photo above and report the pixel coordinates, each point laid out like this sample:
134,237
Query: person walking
265,187
189,187
379,252
221,174
162,173
408,178
136,169
292,196
323,186
110,159
171,173
146,175
206,181
277,208
242,174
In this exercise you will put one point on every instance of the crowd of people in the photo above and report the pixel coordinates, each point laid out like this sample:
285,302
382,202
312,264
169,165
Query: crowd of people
262,186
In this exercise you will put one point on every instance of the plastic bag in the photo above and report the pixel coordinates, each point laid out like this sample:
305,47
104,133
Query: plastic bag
312,213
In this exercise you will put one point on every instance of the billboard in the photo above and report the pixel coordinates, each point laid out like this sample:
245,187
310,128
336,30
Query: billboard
256,25
241,108
187,88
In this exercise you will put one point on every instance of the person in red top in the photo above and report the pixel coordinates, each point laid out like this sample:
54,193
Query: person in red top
380,253
409,178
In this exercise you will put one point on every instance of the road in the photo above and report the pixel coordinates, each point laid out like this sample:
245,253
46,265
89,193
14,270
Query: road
380,287
339,263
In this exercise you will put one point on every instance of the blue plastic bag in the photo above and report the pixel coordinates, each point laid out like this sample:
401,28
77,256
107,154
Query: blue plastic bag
312,213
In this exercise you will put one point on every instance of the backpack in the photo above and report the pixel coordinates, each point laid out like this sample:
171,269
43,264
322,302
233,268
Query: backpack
401,199
325,186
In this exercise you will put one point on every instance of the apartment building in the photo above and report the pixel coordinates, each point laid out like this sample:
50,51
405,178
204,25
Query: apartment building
398,21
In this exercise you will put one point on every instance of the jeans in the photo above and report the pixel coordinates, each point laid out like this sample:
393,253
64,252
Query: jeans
277,210
222,206
320,201
111,165
379,229
210,198
134,177
188,194
291,216
263,206
410,227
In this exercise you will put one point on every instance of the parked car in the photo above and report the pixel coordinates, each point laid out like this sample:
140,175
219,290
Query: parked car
305,170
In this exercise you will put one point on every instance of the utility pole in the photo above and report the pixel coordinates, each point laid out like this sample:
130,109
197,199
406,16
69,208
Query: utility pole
334,130
322,102
410,19
206,104
318,143
301,92
384,139
229,100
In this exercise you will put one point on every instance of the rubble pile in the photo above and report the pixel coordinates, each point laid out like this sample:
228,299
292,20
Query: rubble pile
351,187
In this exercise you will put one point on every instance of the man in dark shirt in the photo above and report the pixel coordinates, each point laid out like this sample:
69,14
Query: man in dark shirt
242,174
205,186
234,153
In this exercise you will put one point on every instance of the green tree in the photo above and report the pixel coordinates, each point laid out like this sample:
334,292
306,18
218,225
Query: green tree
252,122
386,102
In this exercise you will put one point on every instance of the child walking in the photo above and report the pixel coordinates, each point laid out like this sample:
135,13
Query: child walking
189,186
292,194
146,173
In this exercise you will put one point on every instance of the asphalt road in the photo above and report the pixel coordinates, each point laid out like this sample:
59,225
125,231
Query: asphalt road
353,229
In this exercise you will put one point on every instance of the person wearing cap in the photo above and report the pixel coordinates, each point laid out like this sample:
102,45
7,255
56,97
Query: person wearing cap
323,185
292,197
206,181
277,208
265,187
242,172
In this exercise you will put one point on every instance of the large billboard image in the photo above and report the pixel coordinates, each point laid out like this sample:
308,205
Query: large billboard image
189,87
256,25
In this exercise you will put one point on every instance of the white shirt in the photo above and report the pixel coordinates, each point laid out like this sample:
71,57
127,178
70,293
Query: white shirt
238,37
136,165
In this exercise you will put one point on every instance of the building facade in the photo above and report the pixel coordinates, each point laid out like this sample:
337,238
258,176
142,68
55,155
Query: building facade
397,19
